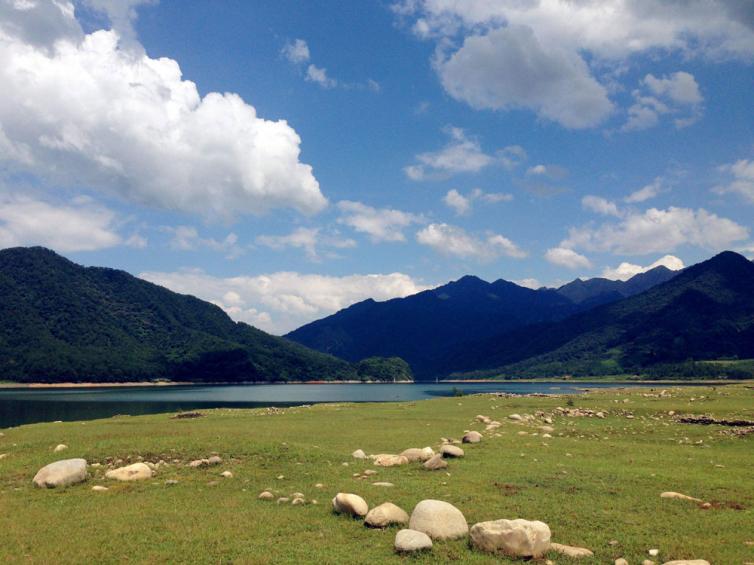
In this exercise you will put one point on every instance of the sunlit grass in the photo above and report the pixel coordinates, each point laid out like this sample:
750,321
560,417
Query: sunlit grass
596,484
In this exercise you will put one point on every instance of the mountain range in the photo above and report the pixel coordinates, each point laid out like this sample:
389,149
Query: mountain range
425,328
704,314
60,321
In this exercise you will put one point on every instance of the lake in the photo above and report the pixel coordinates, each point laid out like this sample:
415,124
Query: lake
25,406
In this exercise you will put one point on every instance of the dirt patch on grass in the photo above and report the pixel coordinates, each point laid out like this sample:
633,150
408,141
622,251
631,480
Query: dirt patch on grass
507,489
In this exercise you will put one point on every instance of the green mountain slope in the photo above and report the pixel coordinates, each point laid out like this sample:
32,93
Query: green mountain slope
63,322
421,328
705,313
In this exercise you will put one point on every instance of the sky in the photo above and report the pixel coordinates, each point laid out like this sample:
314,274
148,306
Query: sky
286,159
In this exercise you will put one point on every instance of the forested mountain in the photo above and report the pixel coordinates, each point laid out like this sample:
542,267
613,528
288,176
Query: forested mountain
705,313
63,322
601,291
422,328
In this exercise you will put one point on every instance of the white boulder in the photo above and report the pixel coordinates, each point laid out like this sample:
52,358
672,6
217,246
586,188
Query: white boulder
61,474
410,540
439,520
135,472
352,504
517,538
385,515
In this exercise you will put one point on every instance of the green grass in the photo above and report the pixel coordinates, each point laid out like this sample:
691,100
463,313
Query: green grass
606,490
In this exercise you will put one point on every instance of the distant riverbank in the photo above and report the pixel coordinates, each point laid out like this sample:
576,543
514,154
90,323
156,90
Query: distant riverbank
600,381
25,405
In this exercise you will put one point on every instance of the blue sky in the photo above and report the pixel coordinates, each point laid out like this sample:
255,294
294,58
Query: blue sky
327,152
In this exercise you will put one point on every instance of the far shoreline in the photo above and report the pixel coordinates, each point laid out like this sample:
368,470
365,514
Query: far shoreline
554,380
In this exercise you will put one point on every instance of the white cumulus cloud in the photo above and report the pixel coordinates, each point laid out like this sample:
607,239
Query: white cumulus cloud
626,270
76,225
509,68
677,94
461,155
308,239
455,241
658,231
463,204
600,205
88,110
281,302
296,51
187,238
546,56
741,175
319,75
380,224
567,258
647,192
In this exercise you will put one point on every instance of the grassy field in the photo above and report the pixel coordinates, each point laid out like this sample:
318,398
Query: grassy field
596,482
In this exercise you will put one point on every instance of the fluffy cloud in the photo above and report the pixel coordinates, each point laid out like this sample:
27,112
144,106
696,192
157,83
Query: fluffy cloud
658,231
600,205
458,202
625,270
281,302
462,205
380,224
534,55
78,225
741,182
568,258
319,75
88,110
455,241
610,29
308,239
647,192
187,238
675,94
121,13
533,284
461,155
509,68
296,51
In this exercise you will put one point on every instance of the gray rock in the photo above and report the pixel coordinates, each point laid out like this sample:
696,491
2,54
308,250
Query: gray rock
407,541
388,460
385,515
472,437
435,463
414,454
135,472
352,504
570,551
439,520
517,538
451,451
61,474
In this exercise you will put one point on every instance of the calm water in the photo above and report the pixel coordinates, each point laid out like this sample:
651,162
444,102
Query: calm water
26,406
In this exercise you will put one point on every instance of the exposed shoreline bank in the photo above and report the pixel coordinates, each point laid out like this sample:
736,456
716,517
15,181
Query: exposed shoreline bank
556,381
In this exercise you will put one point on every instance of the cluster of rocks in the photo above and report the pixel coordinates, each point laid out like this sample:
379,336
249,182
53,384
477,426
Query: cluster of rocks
437,520
206,462
427,456
580,412
69,472
295,498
